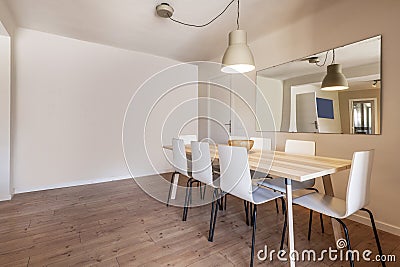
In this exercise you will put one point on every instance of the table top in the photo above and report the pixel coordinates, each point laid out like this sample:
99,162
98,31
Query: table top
293,166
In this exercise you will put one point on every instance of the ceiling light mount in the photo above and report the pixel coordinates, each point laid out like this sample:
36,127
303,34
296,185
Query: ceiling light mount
164,10
311,60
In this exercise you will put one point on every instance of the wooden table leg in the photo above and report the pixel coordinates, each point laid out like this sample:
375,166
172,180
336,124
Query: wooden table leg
337,230
289,211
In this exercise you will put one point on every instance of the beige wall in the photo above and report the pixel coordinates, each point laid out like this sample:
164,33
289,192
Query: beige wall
345,22
344,98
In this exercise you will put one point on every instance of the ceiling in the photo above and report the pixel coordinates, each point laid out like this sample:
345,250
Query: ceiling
133,24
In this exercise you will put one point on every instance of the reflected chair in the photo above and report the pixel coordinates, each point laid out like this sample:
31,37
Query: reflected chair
187,138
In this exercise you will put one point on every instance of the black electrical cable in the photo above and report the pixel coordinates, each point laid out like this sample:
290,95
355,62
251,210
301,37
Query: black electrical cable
238,14
211,21
326,57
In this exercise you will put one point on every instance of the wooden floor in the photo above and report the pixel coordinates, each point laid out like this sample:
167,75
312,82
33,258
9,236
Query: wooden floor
117,224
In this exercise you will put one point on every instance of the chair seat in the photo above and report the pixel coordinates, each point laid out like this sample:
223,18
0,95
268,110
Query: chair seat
278,184
262,195
321,203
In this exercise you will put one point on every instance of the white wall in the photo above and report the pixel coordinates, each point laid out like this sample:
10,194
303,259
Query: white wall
70,99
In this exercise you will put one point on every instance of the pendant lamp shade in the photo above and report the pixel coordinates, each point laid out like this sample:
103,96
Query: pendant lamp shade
238,57
334,79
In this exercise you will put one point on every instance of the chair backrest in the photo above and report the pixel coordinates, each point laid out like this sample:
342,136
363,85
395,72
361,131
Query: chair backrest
201,162
358,187
300,147
179,159
262,143
188,138
235,173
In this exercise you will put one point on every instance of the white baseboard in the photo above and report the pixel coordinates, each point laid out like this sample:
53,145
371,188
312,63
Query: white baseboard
70,184
380,225
84,182
5,197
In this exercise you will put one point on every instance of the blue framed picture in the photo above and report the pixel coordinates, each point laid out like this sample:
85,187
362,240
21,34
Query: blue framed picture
325,108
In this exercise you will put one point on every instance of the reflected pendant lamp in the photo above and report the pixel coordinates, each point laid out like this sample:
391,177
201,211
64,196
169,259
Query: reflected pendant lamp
334,79
238,57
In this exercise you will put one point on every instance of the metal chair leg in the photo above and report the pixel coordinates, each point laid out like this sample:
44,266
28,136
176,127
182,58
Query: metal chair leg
214,208
309,225
221,201
200,191
346,233
283,205
170,188
226,197
185,207
251,212
378,243
253,239
246,209
284,225
320,215
321,220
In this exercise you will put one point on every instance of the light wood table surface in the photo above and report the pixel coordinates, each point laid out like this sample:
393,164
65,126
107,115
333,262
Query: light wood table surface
293,167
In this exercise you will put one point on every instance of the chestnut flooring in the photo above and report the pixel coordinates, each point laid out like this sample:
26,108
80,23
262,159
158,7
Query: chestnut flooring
117,224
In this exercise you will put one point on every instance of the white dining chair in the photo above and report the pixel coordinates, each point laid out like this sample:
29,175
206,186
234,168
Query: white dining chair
180,164
187,138
262,143
202,172
236,180
301,148
357,197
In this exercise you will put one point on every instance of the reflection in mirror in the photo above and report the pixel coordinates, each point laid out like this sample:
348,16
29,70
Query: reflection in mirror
293,91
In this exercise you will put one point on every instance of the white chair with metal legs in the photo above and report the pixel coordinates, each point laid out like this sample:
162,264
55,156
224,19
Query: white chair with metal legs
261,143
357,197
187,138
236,180
202,171
180,164
301,148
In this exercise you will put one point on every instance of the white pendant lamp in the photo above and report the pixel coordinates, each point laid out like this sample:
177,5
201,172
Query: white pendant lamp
238,57
334,79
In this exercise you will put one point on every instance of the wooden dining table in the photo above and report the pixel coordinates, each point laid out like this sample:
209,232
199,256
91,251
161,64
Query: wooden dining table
292,167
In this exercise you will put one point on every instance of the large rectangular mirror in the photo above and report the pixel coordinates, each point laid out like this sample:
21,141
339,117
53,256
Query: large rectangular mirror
295,97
